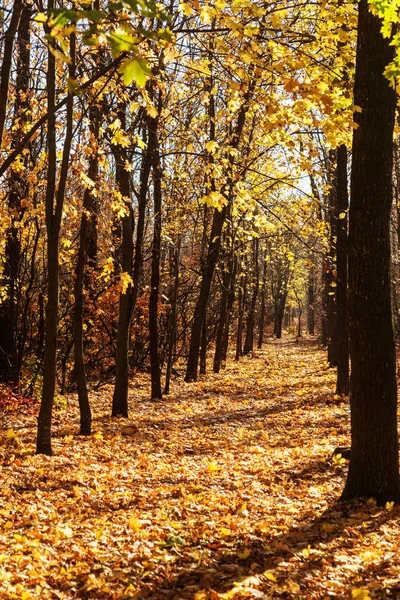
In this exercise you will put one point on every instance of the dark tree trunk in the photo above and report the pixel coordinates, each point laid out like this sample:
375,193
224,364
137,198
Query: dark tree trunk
241,307
53,225
203,347
330,266
310,301
201,306
7,62
299,321
10,361
262,311
279,313
173,318
324,303
120,396
156,391
222,319
231,300
249,340
87,236
342,327
374,462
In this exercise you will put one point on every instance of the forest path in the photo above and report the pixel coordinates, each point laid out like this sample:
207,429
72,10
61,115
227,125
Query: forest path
226,489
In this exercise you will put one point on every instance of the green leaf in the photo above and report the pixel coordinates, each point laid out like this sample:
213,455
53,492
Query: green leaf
135,69
122,42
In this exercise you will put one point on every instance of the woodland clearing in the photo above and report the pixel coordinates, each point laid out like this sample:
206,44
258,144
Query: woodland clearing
225,489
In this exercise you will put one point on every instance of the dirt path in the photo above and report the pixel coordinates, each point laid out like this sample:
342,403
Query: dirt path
224,490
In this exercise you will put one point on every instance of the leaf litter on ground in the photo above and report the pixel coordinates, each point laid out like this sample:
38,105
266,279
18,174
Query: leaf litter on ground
225,489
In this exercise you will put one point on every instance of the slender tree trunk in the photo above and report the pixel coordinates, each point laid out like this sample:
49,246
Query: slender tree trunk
19,189
53,225
299,321
221,320
249,340
231,300
262,312
203,347
279,313
374,462
173,320
241,309
156,392
330,281
120,396
342,327
310,301
324,302
7,62
86,236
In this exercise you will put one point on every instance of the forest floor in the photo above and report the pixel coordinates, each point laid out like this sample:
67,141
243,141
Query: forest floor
225,489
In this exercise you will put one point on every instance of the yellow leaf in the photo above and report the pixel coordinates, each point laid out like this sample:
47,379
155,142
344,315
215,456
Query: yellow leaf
211,146
360,594
40,18
151,110
185,8
11,434
134,523
389,505
225,531
245,554
270,576
98,435
214,199
125,280
213,467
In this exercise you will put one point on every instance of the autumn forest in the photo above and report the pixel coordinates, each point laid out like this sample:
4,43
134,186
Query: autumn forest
199,299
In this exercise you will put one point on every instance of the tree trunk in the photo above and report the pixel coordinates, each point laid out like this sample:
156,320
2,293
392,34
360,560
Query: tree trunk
241,309
231,300
330,266
120,396
173,320
203,348
310,301
374,462
7,62
86,239
342,327
262,312
156,392
53,225
19,189
221,320
249,340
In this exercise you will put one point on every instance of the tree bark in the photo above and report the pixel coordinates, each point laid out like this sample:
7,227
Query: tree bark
7,62
342,326
374,462
249,339
156,391
53,225
86,239
19,188
120,395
